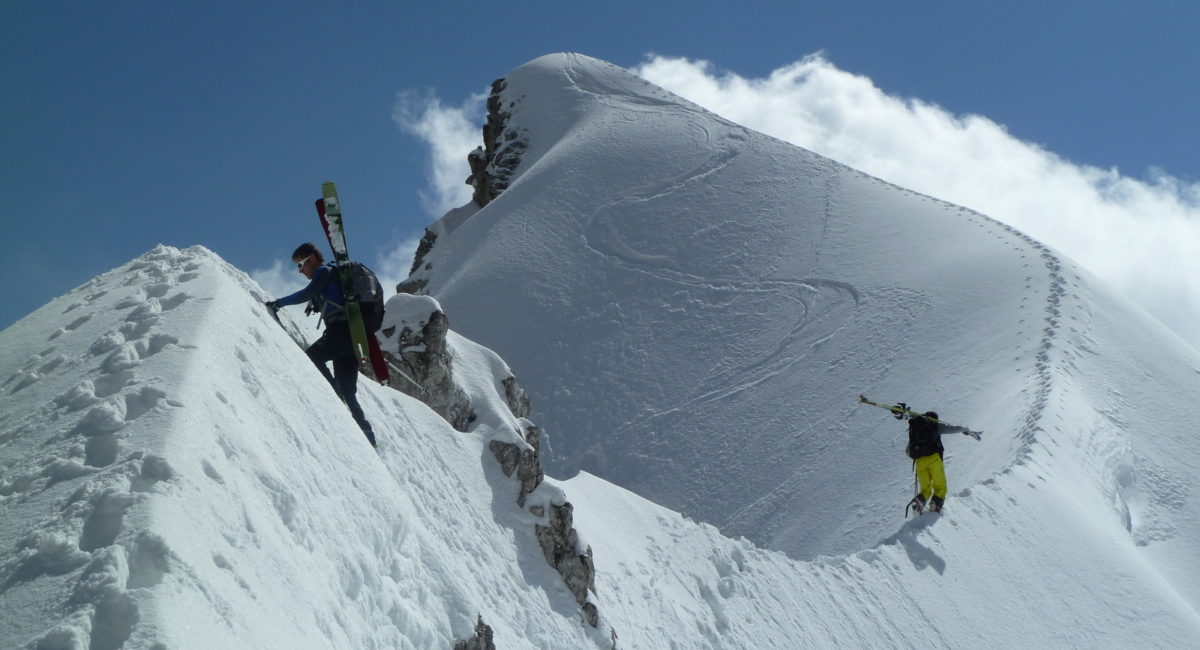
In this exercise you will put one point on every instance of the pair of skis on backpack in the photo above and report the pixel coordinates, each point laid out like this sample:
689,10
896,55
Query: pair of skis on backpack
366,346
901,411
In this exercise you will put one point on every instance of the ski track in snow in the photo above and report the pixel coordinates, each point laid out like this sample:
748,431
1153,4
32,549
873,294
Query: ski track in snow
822,304
610,86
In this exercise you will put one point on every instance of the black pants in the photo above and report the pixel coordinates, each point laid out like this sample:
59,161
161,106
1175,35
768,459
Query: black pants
335,345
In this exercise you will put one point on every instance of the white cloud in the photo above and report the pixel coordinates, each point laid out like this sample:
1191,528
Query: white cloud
1141,236
280,279
450,132
393,267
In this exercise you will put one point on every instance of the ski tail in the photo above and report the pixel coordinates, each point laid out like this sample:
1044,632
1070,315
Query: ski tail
378,364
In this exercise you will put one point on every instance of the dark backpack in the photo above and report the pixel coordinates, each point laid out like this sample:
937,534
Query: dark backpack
364,289
923,438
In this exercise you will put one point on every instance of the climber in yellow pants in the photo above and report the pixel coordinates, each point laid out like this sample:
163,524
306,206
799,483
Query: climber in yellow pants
925,433
925,448
931,479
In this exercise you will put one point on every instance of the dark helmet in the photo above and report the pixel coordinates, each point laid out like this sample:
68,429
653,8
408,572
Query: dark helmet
932,415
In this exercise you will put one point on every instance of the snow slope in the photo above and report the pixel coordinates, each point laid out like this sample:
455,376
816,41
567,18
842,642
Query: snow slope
175,474
695,307
174,471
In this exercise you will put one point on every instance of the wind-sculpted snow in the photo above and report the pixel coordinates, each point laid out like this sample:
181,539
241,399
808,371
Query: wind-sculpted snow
708,302
695,308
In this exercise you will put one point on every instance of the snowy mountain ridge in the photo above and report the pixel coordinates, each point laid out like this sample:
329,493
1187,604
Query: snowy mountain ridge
174,473
776,285
177,475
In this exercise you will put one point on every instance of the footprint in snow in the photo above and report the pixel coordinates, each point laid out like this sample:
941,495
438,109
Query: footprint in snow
34,368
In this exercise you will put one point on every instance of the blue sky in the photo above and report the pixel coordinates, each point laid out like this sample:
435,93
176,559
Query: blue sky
137,123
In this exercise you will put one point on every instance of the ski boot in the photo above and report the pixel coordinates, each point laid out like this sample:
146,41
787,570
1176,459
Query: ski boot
935,504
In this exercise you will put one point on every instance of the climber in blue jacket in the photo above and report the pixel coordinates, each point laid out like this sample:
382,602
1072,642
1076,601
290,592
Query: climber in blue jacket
324,292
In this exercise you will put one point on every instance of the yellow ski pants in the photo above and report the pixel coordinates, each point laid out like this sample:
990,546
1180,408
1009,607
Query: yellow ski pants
931,476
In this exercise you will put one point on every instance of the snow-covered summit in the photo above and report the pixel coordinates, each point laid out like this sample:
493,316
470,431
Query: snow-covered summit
695,308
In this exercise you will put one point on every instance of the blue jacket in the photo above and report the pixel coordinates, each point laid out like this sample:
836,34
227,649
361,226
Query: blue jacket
325,290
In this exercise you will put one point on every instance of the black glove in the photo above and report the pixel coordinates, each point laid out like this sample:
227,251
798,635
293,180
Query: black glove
270,304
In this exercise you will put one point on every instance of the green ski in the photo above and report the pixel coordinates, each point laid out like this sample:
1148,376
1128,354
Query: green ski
330,211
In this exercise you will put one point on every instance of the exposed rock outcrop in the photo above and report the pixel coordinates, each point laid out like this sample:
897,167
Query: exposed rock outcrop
492,167
560,545
524,461
482,640
423,249
493,164
517,398
414,343
414,330
556,536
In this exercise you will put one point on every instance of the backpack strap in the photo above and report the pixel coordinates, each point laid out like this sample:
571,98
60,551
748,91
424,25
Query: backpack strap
328,278
319,301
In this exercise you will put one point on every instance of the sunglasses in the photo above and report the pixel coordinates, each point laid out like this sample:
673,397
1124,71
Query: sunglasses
301,263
